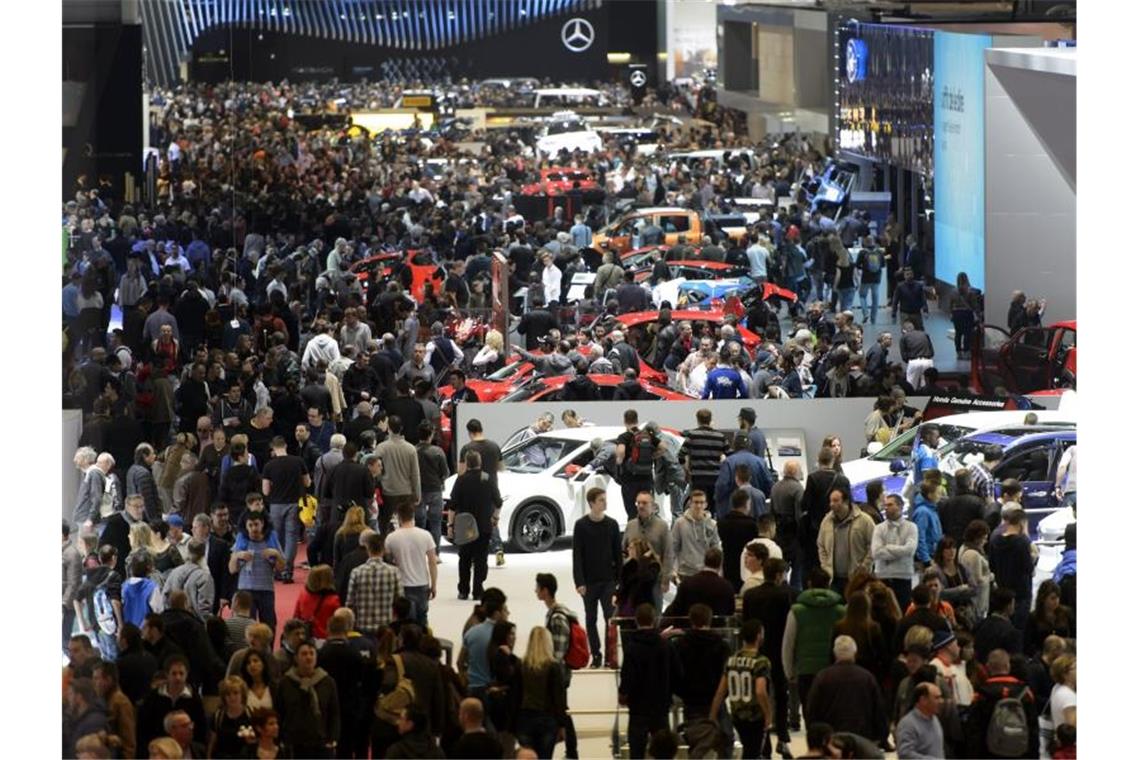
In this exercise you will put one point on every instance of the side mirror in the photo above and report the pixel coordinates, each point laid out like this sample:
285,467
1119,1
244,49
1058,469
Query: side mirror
897,466
874,448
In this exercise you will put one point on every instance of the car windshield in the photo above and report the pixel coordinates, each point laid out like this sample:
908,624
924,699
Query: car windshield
901,447
537,454
505,372
565,125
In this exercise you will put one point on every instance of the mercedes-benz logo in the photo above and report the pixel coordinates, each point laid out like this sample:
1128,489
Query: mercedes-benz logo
637,78
577,35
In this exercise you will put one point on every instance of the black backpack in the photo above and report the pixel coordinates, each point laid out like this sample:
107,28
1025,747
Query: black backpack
639,459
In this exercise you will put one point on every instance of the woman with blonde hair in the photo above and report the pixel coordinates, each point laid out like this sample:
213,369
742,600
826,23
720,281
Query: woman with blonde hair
318,600
164,748
145,541
543,705
639,575
490,357
231,723
348,534
172,467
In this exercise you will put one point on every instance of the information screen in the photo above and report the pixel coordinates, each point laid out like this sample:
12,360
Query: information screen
960,157
886,80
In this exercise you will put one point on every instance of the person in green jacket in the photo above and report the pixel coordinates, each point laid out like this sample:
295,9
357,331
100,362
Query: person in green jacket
806,648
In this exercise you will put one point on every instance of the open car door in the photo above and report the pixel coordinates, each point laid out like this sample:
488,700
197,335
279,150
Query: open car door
1026,359
986,365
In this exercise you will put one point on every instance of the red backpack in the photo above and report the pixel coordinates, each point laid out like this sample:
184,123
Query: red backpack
578,651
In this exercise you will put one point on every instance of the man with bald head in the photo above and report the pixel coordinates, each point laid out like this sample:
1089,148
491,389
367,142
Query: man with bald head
1002,685
475,742
846,696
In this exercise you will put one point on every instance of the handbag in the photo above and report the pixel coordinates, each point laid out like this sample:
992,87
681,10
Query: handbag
466,529
107,500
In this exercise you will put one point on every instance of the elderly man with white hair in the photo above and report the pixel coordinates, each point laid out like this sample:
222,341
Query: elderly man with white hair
91,488
846,696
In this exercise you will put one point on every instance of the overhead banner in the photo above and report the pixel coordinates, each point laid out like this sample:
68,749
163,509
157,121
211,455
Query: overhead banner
960,157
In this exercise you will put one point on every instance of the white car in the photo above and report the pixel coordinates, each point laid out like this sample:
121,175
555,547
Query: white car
567,130
544,483
951,427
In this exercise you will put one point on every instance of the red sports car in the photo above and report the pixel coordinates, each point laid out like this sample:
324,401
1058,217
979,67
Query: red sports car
548,388
423,270
1032,359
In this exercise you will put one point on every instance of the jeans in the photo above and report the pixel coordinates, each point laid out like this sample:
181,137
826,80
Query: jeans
108,644
1020,612
264,608
539,731
803,689
473,556
658,597
751,733
429,515
846,298
901,587
418,595
641,727
598,593
780,692
68,625
963,320
872,289
822,287
284,517
801,286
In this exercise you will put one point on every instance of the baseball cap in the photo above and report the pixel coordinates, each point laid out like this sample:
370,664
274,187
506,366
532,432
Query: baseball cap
942,637
174,521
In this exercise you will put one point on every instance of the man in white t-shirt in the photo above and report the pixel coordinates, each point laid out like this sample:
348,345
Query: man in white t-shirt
766,525
412,550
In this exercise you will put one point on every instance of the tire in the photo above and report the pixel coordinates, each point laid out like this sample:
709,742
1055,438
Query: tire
534,528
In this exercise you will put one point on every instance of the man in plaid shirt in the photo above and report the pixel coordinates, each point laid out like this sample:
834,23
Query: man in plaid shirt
372,588
558,623
981,473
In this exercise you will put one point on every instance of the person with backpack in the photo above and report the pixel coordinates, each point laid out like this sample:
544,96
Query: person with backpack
633,456
140,594
99,605
597,560
869,262
571,647
1003,718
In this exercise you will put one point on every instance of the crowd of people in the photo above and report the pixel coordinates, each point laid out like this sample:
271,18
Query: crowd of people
246,394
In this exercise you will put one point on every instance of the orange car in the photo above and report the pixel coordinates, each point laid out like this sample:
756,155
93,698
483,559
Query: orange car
423,270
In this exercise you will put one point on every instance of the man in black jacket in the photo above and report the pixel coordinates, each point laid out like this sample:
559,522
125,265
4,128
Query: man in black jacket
173,694
136,665
703,654
651,673
770,603
117,529
707,587
597,563
477,494
184,629
346,667
218,549
424,675
814,505
958,511
997,631
736,529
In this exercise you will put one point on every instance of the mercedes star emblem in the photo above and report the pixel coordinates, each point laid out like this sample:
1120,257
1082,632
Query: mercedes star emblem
577,35
637,78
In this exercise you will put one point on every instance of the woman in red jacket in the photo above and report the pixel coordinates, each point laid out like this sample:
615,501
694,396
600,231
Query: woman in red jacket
318,601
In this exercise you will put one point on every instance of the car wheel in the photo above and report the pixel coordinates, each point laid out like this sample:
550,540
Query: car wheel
535,528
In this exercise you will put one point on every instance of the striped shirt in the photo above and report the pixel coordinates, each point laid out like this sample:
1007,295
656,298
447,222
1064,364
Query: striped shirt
372,588
704,447
982,481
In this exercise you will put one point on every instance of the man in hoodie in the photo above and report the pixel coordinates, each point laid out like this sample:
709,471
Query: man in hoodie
894,542
694,533
651,673
844,541
925,516
1065,574
806,647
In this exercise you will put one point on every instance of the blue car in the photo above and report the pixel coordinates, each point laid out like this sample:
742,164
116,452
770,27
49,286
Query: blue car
1030,455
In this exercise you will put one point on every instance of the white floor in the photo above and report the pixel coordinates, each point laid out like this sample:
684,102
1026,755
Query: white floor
593,694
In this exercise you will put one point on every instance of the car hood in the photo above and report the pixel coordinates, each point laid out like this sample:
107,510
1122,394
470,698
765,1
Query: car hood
1052,528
